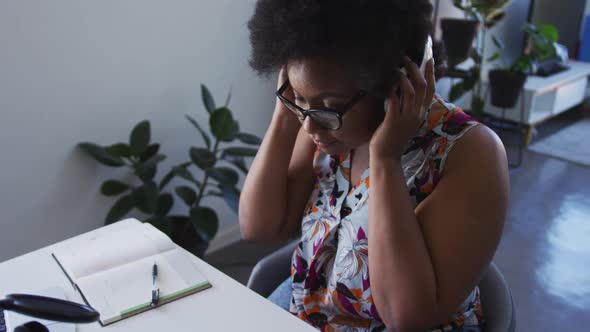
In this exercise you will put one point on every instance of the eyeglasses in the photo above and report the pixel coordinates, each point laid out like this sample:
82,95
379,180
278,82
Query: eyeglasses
328,118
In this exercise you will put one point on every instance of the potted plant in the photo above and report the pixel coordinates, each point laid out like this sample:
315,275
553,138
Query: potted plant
199,225
486,14
542,48
507,79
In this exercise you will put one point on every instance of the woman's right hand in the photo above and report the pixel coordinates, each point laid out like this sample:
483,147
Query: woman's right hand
280,108
283,76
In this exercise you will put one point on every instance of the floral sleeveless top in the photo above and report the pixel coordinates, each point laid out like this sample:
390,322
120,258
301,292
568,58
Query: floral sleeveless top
330,266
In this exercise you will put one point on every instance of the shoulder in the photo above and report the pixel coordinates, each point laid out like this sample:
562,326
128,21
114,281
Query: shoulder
461,137
467,144
479,151
448,120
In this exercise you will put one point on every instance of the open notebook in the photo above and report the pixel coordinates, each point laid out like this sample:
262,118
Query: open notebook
112,269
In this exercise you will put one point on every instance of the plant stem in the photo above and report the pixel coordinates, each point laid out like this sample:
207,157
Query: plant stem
481,49
203,185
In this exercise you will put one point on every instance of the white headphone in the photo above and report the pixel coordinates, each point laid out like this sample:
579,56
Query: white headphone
427,56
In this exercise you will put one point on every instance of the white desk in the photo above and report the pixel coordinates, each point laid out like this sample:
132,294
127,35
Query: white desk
227,306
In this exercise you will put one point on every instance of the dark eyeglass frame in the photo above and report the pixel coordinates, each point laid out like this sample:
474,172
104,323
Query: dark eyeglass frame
303,113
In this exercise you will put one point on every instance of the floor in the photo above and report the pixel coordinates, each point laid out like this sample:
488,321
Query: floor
544,253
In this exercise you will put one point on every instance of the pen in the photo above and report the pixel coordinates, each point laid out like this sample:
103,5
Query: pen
155,289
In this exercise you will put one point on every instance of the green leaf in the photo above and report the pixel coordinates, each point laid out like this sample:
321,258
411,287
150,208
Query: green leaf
476,56
155,159
113,188
214,193
494,57
457,91
203,133
249,138
530,28
458,4
149,152
549,32
166,179
522,64
477,105
499,44
164,204
160,222
207,99
236,129
203,158
187,194
120,209
146,197
205,222
228,98
473,78
224,175
236,161
140,137
223,125
146,172
499,5
231,196
494,18
240,151
187,175
119,150
101,155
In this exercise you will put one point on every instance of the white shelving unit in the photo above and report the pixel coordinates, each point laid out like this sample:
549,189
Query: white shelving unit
544,97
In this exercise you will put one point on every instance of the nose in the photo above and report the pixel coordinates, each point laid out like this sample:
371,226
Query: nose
311,127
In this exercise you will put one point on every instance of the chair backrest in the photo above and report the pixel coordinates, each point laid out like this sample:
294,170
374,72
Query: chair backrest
273,269
497,304
496,301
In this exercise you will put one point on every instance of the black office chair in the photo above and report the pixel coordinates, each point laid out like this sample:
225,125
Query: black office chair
496,299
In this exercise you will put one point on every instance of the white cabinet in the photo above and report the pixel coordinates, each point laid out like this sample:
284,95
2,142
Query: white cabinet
544,97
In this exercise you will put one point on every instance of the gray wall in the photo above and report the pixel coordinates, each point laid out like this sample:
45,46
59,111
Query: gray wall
567,16
74,71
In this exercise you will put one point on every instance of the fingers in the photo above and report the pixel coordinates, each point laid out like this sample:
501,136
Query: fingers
282,76
431,83
408,95
417,79
392,102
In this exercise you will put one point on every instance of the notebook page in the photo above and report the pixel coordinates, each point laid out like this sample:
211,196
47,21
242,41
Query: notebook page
108,250
114,291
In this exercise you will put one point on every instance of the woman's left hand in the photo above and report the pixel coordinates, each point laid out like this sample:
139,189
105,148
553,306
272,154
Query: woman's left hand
402,122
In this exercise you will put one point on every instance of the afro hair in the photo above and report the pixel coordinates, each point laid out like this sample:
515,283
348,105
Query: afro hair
371,36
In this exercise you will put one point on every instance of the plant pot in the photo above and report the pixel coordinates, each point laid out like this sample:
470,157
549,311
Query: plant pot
183,234
505,87
458,35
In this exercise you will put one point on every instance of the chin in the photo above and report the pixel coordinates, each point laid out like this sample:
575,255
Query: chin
333,149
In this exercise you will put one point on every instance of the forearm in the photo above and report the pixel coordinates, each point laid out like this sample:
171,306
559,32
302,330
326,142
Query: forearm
264,195
402,277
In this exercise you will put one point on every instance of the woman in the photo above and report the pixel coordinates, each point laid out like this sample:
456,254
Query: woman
400,197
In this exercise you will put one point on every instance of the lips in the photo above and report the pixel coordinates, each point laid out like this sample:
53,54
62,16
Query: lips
323,143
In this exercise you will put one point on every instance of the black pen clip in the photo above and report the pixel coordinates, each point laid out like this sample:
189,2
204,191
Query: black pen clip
155,297
155,289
